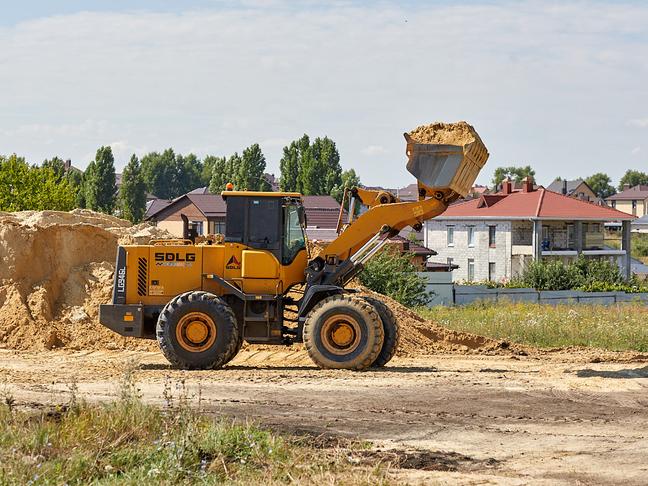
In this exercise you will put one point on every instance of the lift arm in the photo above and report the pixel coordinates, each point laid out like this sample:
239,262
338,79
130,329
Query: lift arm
393,214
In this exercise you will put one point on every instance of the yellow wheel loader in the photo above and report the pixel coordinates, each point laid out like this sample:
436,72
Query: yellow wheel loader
202,300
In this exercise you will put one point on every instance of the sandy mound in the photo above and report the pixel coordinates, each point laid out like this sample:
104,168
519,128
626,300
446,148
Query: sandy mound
419,336
57,268
460,133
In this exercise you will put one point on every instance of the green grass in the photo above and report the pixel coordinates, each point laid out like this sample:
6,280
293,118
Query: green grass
618,327
129,442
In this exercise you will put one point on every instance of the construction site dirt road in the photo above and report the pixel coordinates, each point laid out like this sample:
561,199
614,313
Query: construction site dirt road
462,419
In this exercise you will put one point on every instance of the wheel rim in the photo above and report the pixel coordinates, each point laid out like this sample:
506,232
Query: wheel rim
340,334
196,332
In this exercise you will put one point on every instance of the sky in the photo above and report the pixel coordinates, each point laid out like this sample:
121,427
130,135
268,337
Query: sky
560,86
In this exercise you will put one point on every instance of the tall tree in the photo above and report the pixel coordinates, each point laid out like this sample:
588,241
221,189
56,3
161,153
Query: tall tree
158,171
601,184
188,174
251,170
321,172
100,183
633,178
292,162
132,193
219,174
513,173
312,169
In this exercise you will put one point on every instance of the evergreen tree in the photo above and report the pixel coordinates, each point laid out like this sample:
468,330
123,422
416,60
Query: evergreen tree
132,193
100,183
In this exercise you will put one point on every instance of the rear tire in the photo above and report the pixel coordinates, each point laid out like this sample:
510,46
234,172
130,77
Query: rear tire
197,330
391,330
344,332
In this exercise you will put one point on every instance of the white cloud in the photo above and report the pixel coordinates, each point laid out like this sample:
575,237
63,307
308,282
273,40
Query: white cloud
544,83
638,122
635,150
374,150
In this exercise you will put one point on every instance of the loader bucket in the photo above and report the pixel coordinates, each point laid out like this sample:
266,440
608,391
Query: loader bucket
440,166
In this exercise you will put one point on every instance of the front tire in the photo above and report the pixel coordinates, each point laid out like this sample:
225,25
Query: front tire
197,331
391,330
343,332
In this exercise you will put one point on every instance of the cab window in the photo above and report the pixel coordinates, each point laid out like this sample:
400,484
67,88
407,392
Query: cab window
294,240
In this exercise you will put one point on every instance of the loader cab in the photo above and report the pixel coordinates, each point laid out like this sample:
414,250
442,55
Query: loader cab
271,221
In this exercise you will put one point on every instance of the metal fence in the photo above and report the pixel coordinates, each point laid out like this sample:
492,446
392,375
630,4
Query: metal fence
447,293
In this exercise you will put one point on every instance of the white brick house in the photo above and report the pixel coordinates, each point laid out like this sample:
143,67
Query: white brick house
485,258
495,236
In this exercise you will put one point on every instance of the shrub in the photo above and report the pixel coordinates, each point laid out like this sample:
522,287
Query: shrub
394,275
589,275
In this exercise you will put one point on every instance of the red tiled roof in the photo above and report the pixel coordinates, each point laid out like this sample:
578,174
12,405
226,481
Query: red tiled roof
636,192
537,204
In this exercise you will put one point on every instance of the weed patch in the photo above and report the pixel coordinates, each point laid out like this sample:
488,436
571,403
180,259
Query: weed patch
617,328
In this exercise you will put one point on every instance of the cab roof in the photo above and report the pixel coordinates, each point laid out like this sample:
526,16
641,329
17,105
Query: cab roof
226,194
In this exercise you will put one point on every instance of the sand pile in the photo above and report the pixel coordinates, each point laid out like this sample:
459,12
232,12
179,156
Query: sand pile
460,133
419,336
56,269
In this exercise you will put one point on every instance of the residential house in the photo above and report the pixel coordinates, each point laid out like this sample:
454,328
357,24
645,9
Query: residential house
640,225
495,236
206,211
576,188
632,200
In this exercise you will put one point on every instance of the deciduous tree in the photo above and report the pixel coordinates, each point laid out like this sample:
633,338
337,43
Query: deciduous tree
100,186
513,172
601,184
132,193
633,178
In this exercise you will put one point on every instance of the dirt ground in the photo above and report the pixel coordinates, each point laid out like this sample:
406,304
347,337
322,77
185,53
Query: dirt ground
447,418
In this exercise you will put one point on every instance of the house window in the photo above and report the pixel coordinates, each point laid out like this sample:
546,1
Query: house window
471,269
471,236
614,204
450,235
199,227
491,236
218,227
491,270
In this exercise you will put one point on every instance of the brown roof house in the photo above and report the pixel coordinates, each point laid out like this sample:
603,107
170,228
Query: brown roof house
632,200
206,211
